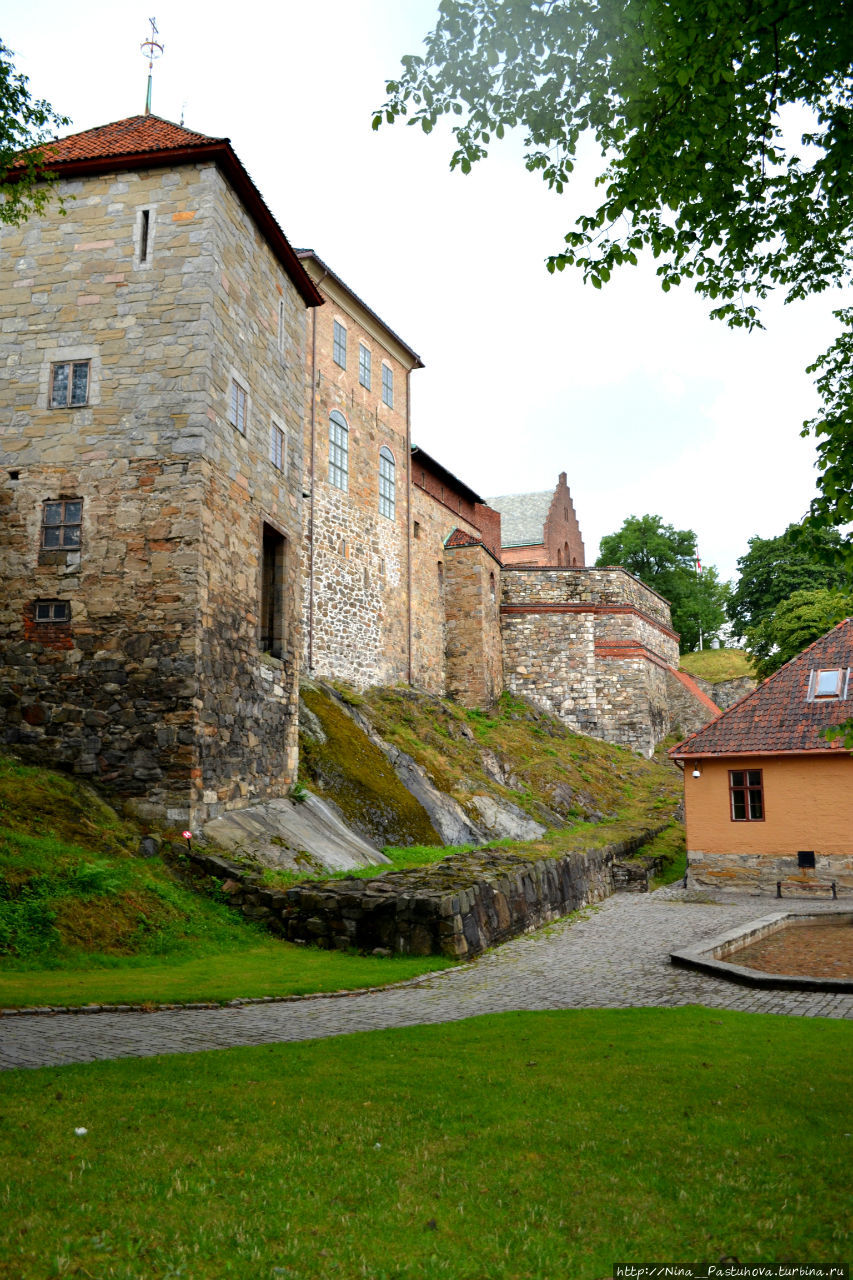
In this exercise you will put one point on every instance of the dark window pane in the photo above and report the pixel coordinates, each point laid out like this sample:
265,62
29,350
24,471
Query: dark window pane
59,393
80,384
756,811
73,512
71,535
754,777
737,778
53,513
51,536
42,612
738,806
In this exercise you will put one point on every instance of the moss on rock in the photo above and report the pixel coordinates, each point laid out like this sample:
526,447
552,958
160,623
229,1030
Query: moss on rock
344,767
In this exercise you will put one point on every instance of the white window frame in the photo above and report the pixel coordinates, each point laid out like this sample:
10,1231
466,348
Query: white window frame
339,451
387,385
237,383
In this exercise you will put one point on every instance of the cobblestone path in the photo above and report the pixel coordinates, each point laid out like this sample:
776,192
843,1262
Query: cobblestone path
615,957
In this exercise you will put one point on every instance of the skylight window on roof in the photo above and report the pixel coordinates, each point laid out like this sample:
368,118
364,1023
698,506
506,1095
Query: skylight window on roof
828,683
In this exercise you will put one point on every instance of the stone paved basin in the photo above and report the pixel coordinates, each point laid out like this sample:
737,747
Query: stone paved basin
798,951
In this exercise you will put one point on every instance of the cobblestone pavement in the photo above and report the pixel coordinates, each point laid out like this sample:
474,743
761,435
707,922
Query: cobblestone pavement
615,957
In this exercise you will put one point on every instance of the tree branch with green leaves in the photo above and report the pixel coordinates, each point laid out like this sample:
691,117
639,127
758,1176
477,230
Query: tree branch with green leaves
26,124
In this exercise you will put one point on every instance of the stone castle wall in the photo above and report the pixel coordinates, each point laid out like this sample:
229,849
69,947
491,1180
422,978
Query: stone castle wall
356,556
128,689
592,646
473,646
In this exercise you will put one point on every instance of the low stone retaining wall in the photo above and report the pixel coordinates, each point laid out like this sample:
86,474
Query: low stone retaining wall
457,907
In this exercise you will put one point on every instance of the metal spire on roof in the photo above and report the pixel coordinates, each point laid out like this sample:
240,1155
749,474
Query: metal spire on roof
151,49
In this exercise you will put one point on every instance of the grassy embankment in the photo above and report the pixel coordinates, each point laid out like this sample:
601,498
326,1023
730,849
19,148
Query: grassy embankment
514,1146
84,919
717,665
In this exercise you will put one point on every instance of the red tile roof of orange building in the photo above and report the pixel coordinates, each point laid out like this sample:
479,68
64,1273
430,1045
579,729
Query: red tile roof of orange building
145,142
777,716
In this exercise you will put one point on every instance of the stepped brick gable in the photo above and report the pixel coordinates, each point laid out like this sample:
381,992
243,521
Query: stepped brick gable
767,797
540,528
150,546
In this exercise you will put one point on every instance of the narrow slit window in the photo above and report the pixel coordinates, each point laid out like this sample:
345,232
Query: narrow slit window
281,326
338,451
144,232
272,592
387,483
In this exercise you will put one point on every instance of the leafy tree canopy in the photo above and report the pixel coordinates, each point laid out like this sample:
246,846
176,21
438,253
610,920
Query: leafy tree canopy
800,559
694,107
797,621
664,558
25,123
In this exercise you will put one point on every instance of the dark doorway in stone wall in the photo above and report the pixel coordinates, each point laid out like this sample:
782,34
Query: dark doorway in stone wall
272,592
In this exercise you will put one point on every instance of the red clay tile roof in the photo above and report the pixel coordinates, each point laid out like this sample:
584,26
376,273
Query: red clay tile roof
776,717
145,142
124,138
459,538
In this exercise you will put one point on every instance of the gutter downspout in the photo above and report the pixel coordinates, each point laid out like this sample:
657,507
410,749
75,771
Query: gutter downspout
409,523
311,483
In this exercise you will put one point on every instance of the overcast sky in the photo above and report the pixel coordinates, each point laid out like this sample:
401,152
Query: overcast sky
647,404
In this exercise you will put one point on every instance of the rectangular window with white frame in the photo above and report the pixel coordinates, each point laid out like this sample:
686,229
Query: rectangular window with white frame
238,405
278,447
339,344
388,385
364,365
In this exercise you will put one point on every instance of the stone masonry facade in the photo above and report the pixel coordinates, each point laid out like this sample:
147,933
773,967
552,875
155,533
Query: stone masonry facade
151,675
207,484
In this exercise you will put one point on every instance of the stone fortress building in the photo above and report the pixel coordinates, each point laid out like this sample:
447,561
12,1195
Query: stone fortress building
207,487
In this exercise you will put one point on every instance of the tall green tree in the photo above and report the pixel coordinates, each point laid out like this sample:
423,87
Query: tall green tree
664,558
800,559
794,623
25,124
686,102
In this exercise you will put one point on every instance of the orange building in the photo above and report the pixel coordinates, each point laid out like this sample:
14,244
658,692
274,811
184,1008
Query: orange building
767,798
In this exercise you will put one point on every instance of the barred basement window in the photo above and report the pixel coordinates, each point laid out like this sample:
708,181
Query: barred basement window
387,483
338,451
52,611
69,384
746,791
61,524
238,406
339,345
388,386
277,447
364,365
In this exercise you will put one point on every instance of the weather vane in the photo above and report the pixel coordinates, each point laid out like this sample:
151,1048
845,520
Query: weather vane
152,49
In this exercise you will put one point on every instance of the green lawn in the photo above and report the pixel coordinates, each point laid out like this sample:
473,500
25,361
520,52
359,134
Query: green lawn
524,1146
260,966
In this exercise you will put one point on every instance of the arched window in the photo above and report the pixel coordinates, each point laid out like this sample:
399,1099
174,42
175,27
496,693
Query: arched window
338,451
559,556
387,483
492,592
